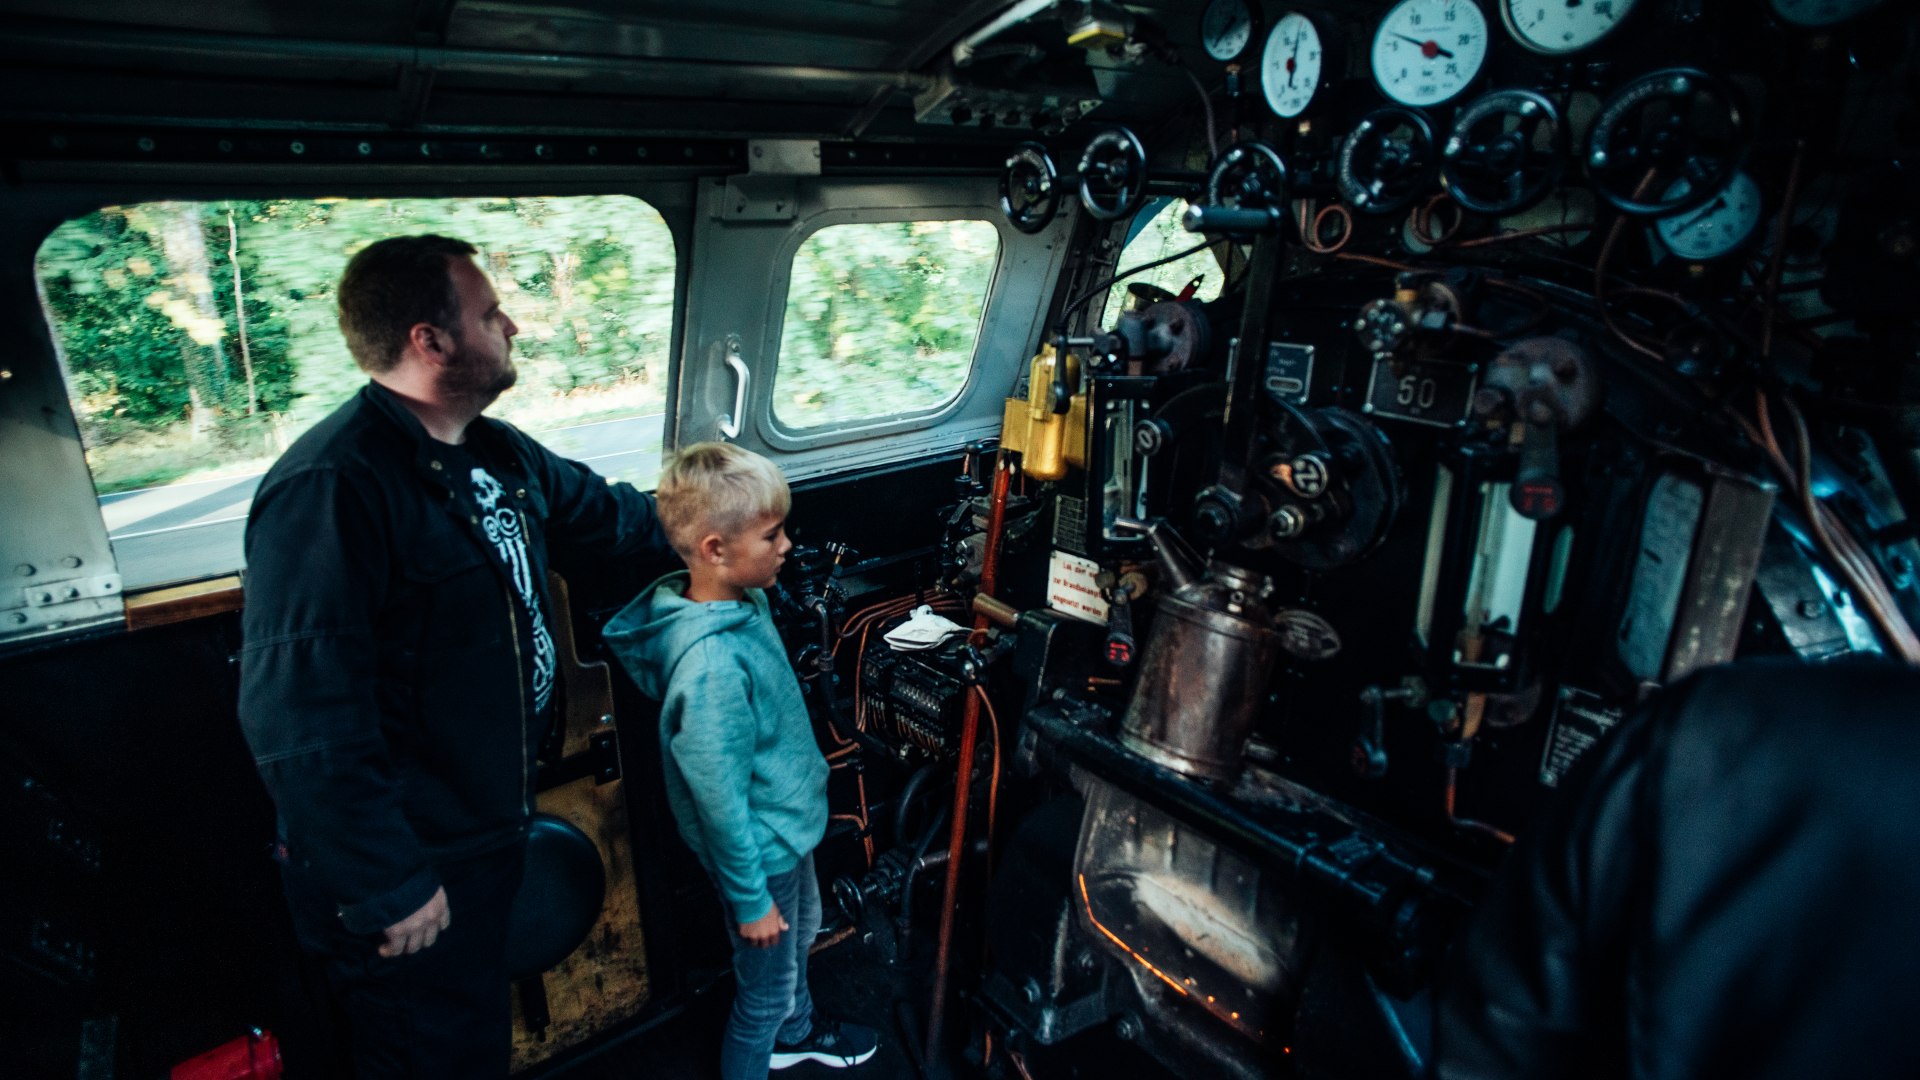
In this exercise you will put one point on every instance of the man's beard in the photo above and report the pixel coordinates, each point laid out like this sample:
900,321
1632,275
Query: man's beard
472,375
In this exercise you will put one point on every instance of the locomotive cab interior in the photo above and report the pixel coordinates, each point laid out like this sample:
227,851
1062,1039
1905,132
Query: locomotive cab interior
1245,455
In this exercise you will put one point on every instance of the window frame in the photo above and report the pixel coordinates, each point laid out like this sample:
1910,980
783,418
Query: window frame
787,438
55,502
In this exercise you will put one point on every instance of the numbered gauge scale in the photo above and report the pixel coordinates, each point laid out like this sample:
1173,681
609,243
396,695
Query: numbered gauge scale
1291,65
1715,230
1559,27
1429,51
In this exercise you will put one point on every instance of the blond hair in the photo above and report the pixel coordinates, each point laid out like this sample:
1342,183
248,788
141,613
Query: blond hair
716,487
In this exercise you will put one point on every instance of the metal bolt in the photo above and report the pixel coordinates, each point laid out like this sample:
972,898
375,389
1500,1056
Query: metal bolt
71,562
1598,160
1033,992
1811,608
19,618
1128,1027
24,570
606,718
1287,522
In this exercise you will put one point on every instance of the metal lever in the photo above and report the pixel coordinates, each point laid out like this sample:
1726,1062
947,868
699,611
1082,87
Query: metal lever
730,424
1231,219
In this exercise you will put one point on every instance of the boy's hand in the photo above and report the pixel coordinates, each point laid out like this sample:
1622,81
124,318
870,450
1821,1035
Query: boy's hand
762,932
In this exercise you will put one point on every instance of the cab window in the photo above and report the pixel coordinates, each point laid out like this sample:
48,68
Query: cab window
881,320
1157,234
199,339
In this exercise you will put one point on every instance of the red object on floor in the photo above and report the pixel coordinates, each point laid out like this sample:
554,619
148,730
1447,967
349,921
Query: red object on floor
254,1056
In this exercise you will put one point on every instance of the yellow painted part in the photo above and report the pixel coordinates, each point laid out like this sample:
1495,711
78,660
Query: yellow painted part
1097,36
1047,442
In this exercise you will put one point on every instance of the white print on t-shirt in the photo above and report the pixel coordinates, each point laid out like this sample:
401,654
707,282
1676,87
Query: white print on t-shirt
502,525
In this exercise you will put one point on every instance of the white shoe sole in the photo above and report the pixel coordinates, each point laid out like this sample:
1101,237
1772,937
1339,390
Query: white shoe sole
832,1061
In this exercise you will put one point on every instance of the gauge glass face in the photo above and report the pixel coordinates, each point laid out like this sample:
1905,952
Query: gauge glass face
1225,28
1713,230
1290,68
1821,12
1562,26
1428,51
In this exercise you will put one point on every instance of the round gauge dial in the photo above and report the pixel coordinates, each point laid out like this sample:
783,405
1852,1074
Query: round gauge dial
1821,12
1226,28
1290,67
1428,51
1554,27
1713,230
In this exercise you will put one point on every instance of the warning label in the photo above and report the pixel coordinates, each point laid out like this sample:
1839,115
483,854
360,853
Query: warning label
1579,719
1073,587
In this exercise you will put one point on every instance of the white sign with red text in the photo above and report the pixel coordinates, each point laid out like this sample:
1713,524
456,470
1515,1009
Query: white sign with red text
1073,587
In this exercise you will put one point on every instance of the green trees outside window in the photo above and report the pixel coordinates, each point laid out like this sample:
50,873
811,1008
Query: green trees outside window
881,319
199,338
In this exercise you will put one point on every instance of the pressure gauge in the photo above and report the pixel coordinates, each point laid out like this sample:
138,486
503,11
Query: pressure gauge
1557,27
1821,12
1226,28
1713,230
1428,51
1290,67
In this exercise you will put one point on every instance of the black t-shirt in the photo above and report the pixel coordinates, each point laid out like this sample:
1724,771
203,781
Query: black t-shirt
505,528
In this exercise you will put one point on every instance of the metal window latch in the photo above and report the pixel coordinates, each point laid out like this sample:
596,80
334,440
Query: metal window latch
731,423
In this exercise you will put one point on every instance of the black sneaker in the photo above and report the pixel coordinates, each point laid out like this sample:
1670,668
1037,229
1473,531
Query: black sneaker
831,1043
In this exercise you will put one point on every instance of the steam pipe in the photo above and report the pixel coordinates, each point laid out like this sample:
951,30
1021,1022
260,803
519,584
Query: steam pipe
965,48
963,776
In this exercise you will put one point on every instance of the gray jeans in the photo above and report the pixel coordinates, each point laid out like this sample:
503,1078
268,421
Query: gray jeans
771,1001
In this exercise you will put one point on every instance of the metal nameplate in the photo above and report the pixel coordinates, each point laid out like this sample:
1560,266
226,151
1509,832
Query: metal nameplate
1289,371
1431,392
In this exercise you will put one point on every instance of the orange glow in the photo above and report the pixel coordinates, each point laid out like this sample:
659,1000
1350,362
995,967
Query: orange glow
1233,1018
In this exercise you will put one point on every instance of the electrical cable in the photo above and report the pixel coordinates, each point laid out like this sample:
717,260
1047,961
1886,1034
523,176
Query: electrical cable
1075,304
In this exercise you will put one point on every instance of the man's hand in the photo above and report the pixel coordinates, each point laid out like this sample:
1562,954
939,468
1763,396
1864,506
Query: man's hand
762,932
420,929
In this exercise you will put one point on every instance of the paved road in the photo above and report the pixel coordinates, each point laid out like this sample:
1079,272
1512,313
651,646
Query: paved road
194,529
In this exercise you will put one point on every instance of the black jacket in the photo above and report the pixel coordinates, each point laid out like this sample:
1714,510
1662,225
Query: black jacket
384,681
1731,889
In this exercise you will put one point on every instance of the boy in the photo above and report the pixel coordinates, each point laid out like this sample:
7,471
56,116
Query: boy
745,778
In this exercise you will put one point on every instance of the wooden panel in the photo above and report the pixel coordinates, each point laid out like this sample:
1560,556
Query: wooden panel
160,607
604,982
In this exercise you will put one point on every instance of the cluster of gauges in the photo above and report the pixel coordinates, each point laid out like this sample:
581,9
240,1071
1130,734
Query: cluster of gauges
1426,52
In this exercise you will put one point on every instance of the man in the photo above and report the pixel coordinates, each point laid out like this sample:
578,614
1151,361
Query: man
1728,889
398,668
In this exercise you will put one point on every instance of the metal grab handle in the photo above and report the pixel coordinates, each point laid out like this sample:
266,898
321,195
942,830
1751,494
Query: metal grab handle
730,424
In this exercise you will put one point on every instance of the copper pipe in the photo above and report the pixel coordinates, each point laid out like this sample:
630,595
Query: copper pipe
963,785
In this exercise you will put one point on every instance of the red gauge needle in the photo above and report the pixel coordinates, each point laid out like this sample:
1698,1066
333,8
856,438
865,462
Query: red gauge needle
1428,49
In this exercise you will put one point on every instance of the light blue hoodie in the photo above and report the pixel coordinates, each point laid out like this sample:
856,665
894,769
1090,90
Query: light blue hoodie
745,777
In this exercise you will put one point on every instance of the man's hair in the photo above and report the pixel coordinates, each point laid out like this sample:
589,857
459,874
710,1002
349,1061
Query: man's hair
391,286
716,487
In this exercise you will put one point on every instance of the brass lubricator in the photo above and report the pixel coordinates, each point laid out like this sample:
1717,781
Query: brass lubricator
1048,427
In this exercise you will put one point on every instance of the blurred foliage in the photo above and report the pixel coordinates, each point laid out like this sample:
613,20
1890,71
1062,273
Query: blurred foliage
1161,237
142,300
881,319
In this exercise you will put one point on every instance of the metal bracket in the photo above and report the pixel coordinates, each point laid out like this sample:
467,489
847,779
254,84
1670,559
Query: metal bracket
759,198
51,593
601,760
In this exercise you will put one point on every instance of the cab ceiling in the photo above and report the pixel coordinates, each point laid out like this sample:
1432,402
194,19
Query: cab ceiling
827,69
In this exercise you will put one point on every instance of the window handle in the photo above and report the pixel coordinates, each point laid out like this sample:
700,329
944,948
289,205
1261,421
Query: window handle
730,424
